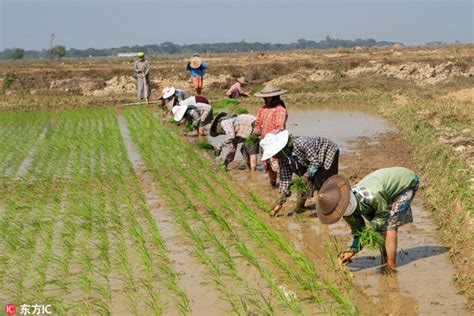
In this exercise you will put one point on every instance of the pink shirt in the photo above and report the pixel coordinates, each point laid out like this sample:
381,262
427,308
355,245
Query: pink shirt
236,87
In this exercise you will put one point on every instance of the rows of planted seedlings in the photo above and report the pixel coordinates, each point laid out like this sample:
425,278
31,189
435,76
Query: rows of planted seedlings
19,133
77,231
179,169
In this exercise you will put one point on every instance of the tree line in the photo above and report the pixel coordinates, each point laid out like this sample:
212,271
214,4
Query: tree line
170,48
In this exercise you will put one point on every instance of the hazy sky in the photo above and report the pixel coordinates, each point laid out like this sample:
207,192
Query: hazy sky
107,23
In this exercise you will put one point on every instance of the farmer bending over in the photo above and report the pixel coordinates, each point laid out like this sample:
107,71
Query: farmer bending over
383,198
172,96
314,158
237,129
236,91
195,112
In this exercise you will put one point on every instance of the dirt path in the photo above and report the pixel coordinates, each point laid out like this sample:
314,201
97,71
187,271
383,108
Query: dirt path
423,284
193,281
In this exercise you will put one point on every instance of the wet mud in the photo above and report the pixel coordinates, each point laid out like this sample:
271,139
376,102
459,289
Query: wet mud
423,283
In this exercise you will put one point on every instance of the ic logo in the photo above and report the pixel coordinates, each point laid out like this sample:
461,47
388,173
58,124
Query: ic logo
10,309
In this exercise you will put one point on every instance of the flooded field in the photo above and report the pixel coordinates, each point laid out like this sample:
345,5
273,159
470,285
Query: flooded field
423,283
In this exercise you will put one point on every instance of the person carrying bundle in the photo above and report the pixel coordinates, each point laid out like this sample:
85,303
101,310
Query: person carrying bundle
142,70
313,158
383,198
195,111
237,129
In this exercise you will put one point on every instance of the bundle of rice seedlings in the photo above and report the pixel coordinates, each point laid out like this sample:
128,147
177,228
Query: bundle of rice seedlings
251,140
370,239
204,144
188,128
240,111
225,103
299,186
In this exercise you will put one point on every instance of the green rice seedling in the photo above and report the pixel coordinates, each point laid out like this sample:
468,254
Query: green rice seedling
299,186
370,239
251,140
204,144
239,111
225,103
188,128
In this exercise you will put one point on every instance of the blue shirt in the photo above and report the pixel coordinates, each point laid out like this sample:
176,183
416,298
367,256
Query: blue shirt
197,72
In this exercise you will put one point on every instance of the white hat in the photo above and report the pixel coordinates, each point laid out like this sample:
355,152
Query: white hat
273,143
168,92
179,111
189,101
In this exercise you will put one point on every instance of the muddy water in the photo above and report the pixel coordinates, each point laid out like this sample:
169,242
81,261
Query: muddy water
191,273
341,126
423,282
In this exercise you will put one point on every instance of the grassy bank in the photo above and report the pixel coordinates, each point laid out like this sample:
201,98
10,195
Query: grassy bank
436,129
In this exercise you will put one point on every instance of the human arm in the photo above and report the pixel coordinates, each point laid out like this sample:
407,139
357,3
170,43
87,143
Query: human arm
280,118
195,117
284,186
147,68
382,213
257,130
203,65
188,66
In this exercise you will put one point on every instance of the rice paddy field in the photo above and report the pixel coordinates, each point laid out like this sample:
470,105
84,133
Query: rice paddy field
110,209
80,231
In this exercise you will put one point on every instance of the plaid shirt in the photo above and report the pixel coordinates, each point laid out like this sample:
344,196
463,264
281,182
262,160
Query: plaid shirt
236,129
307,151
200,113
270,119
236,87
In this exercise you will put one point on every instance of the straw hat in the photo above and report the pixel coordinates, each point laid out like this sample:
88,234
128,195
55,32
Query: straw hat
217,119
273,143
270,91
333,199
179,111
168,92
241,80
196,62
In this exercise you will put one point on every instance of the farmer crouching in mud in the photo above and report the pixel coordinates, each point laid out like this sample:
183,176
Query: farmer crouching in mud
313,158
383,198
195,111
271,117
237,129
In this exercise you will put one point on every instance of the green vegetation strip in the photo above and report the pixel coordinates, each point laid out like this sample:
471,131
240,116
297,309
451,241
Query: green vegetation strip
275,250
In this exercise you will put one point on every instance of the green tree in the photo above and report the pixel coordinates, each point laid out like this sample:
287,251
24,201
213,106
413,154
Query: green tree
58,51
17,53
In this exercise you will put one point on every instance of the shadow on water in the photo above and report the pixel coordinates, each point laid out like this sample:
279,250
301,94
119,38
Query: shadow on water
404,257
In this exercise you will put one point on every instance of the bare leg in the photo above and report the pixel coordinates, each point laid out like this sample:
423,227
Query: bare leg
201,131
391,248
273,176
253,162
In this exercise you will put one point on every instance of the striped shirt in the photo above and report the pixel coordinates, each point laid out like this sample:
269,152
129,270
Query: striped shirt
270,119
199,113
308,151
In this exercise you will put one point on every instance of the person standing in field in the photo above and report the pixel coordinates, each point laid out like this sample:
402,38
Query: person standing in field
195,111
142,70
236,91
313,158
197,67
237,129
271,117
171,96
383,198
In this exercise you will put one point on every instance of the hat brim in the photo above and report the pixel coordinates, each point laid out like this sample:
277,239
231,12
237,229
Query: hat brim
196,62
270,94
213,130
179,112
336,182
278,144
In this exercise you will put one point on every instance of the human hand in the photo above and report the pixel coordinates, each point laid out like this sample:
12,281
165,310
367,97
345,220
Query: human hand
345,256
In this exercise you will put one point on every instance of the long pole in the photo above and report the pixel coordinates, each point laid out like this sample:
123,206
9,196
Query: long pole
145,87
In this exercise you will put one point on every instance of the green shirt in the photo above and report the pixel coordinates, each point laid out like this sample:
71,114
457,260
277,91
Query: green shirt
374,194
